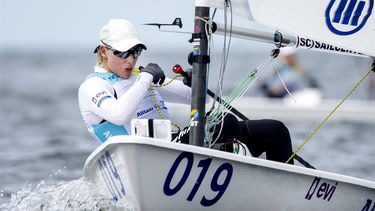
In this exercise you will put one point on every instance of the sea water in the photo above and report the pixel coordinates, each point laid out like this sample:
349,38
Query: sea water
44,142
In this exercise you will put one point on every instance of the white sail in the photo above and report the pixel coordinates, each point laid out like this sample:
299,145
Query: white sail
349,24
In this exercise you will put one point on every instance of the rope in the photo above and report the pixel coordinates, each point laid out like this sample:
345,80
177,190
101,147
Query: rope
223,109
235,93
283,83
333,111
156,103
239,91
223,66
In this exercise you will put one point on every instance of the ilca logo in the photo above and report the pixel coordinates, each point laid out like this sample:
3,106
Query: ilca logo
346,17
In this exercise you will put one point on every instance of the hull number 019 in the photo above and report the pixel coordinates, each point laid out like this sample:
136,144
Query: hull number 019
219,188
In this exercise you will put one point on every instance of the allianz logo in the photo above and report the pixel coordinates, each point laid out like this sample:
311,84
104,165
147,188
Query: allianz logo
346,17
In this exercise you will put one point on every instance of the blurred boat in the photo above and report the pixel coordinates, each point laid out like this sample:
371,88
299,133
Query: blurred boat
310,107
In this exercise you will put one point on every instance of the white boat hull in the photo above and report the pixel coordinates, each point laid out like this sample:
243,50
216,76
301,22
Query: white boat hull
158,175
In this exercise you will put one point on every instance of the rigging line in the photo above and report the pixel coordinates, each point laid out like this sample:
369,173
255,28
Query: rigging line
225,56
218,92
229,40
333,111
225,50
208,32
237,94
211,143
211,47
243,117
240,90
230,31
232,109
214,13
152,87
219,114
284,85
221,70
225,53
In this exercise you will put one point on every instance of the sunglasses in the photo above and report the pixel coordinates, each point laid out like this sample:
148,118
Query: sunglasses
135,51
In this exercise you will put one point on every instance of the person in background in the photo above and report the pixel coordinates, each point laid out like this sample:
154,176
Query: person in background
115,93
291,73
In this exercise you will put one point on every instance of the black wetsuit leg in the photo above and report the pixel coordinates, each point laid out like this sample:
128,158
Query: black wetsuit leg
270,136
230,132
266,135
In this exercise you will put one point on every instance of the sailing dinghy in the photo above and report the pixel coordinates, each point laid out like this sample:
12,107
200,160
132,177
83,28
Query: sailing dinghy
160,175
143,173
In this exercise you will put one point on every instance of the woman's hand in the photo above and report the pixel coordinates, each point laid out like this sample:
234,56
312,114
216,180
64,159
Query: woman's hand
156,72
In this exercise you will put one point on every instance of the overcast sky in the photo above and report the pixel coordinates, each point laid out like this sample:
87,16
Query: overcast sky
56,24
66,23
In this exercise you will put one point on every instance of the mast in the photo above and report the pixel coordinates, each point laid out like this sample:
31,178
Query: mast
200,60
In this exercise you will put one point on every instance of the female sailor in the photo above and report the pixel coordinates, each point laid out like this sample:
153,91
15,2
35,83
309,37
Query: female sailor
115,93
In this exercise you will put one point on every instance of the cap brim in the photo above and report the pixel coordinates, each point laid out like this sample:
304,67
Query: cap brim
142,46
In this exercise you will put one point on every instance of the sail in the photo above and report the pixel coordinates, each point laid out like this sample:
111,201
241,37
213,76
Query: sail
348,24
239,7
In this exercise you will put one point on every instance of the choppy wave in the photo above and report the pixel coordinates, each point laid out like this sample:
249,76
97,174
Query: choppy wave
77,194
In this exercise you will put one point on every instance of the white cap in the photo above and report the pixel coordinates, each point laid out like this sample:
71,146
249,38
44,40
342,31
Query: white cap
287,51
120,34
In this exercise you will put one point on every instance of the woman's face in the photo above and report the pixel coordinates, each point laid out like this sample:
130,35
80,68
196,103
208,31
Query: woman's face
117,65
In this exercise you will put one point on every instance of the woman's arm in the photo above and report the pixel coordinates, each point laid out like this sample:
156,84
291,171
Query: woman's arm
98,96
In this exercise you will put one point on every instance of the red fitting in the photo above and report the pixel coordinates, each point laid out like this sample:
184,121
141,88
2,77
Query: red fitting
177,69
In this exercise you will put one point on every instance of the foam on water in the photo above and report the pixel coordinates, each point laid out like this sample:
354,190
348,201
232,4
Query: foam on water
77,194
